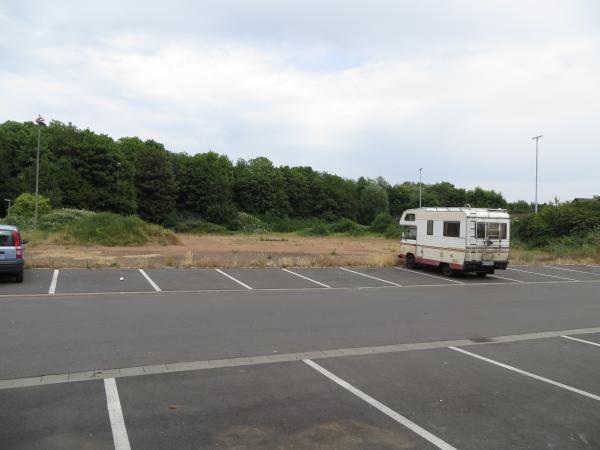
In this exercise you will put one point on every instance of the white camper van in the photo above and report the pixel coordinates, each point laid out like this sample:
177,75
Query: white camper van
456,239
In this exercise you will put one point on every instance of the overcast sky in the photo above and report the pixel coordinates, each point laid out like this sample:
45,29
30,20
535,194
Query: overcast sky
371,88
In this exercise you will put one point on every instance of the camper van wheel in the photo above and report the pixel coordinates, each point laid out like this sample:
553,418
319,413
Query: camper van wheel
410,261
447,270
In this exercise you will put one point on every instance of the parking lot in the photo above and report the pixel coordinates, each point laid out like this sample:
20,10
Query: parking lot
346,358
82,281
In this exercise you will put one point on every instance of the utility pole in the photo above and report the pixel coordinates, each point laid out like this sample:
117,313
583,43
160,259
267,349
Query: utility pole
420,186
537,139
40,122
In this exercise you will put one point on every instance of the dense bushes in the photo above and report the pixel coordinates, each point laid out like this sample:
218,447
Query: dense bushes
59,218
112,229
553,223
569,229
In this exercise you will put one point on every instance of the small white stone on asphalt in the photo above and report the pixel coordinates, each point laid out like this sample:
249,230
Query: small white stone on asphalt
121,279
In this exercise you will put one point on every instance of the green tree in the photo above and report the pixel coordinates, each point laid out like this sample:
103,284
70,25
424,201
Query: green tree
154,182
482,198
205,186
259,188
373,200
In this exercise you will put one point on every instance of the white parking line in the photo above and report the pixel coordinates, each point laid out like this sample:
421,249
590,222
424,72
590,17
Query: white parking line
429,275
306,278
369,276
149,280
115,414
381,407
571,270
529,374
52,289
505,278
542,274
234,279
582,340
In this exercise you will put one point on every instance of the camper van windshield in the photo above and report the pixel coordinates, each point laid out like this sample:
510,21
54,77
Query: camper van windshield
411,233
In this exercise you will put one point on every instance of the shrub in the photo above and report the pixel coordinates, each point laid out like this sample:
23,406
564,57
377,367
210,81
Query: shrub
199,226
393,231
347,226
381,222
24,205
59,218
248,223
22,222
319,229
112,229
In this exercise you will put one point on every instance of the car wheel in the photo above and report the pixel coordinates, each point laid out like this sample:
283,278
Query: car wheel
410,261
19,277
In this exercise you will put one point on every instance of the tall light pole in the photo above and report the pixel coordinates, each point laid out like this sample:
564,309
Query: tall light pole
8,201
420,186
537,139
41,123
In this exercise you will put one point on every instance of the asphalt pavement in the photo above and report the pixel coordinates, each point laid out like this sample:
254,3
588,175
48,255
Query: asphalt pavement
300,358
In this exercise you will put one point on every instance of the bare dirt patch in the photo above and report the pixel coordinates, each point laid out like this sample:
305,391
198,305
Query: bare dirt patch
277,250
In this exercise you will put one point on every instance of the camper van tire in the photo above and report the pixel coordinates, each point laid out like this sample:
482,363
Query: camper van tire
410,261
447,270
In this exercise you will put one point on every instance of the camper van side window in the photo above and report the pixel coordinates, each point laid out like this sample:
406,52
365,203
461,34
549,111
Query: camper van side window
481,230
503,228
430,227
409,218
452,229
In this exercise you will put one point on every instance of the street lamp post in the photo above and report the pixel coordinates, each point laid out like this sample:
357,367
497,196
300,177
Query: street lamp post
40,122
537,139
8,201
420,186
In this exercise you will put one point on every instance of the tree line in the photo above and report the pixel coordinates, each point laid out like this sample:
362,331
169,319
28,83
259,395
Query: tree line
86,170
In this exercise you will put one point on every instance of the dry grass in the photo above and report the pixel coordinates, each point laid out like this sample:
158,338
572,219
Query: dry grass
271,250
242,250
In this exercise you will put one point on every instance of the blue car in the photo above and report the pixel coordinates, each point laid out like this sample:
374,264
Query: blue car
12,256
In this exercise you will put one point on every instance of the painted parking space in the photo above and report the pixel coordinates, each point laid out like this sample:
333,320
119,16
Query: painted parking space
472,404
408,277
523,274
556,273
564,360
585,272
171,279
338,278
101,280
35,281
60,416
287,405
270,279
593,338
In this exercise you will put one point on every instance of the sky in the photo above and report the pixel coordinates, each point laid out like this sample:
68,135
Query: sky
356,88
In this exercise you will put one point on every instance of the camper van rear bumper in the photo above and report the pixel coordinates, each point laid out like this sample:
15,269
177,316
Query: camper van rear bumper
479,266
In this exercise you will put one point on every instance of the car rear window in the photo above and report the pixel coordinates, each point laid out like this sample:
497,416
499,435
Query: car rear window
6,238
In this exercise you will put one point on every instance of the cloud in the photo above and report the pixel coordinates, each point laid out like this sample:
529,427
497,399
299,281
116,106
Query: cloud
378,91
